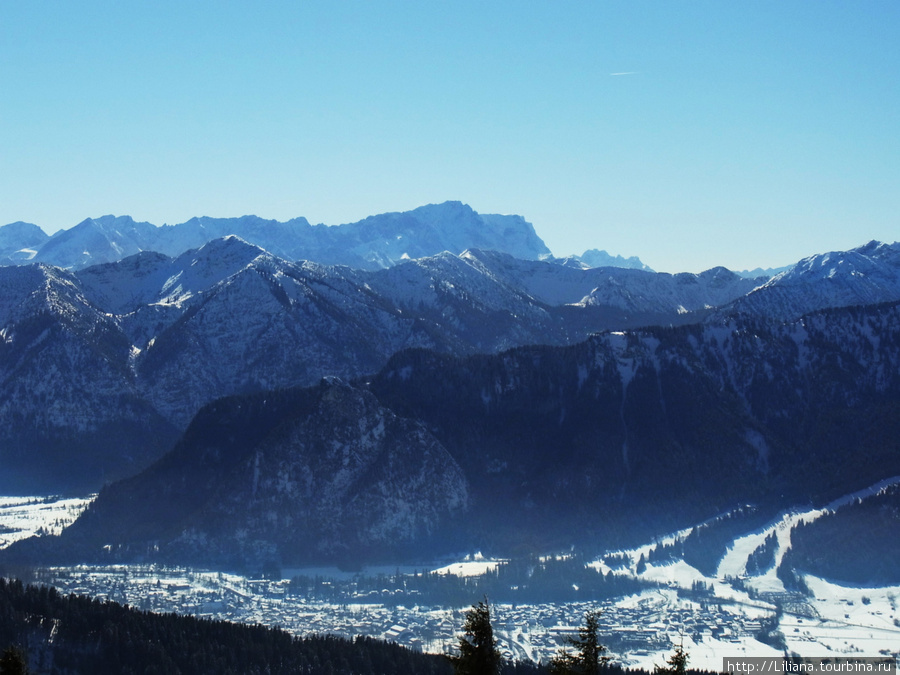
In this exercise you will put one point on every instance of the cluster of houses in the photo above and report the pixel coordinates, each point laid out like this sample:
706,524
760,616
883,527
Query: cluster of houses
535,632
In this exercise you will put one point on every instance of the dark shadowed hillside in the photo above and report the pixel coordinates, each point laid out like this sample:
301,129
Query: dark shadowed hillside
624,435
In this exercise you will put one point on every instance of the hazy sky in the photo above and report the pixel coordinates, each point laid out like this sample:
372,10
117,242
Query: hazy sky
690,133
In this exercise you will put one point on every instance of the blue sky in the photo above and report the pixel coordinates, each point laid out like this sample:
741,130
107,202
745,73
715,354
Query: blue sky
690,134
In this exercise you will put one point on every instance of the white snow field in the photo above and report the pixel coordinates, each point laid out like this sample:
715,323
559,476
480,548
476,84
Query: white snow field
23,517
472,566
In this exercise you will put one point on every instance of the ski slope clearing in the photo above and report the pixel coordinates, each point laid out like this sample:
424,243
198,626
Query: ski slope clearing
829,618
472,566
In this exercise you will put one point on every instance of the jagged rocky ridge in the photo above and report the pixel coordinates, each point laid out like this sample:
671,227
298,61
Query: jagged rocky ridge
626,434
373,243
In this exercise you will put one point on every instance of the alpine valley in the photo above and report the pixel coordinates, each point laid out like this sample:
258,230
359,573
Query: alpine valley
249,394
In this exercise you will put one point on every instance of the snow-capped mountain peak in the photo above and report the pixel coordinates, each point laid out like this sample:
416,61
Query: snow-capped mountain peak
373,243
865,275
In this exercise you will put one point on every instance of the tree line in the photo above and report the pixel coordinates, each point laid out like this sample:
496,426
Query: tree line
64,634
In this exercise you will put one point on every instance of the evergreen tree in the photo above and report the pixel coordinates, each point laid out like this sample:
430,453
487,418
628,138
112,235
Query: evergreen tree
478,653
677,663
13,662
589,657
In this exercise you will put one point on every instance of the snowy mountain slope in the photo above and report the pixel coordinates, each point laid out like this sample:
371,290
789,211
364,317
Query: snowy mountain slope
290,239
19,242
661,292
811,614
96,240
175,334
698,416
862,276
230,318
630,290
24,517
477,306
386,239
790,528
855,542
108,239
738,561
373,243
72,413
272,324
152,278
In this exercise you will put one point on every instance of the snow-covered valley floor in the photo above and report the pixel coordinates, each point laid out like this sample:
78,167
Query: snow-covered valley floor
724,619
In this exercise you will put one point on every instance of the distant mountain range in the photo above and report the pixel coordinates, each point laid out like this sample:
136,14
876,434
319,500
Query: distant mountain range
862,276
374,243
596,258
255,400
19,242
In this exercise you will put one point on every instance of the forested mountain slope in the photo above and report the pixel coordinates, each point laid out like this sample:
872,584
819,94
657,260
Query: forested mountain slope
623,435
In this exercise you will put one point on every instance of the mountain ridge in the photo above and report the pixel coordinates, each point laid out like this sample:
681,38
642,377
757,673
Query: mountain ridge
373,243
867,274
163,336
